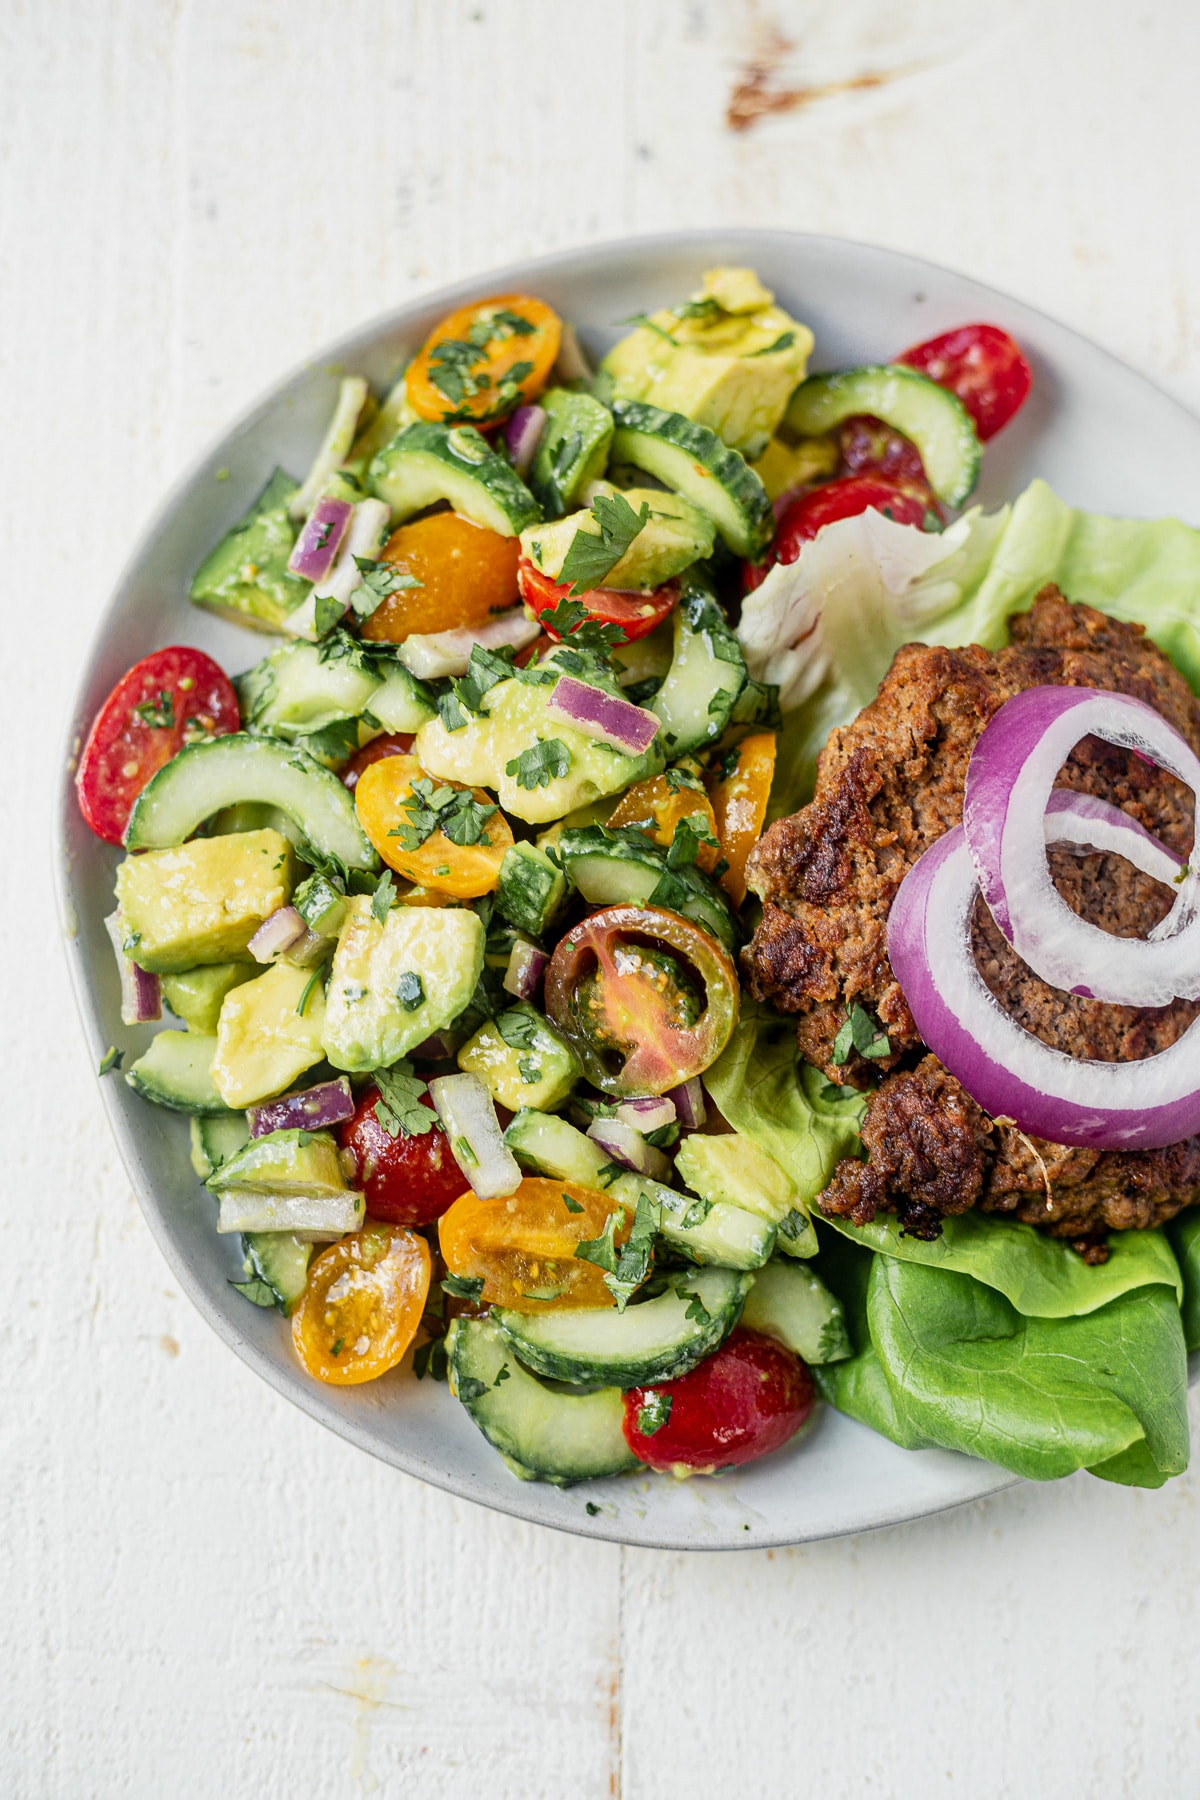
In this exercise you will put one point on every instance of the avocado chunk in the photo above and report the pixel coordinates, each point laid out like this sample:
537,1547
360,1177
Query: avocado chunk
573,449
394,984
513,721
732,1169
264,1041
284,1162
729,358
246,577
197,995
522,1060
675,535
203,901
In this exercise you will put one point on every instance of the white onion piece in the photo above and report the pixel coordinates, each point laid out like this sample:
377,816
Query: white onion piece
690,1104
1010,778
625,1144
1005,1069
649,1114
572,363
335,446
467,1111
526,966
587,709
365,537
430,655
329,1103
141,992
276,934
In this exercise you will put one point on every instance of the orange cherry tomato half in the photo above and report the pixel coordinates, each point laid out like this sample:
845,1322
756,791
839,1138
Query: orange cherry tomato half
525,1245
389,802
739,788
363,1303
645,998
636,613
484,360
466,574
656,807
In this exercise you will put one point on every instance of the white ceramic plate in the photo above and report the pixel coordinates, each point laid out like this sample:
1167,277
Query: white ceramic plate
1102,435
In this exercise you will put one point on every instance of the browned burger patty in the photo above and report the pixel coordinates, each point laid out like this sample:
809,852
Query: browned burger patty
890,784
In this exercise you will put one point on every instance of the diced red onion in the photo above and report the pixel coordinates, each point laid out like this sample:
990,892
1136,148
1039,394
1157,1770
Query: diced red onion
309,950
625,1144
690,1105
320,539
365,537
276,934
523,434
326,1104
141,992
602,716
1005,1069
438,1048
1010,779
468,1114
649,1114
526,966
430,655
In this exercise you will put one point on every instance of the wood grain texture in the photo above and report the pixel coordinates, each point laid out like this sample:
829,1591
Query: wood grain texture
204,1594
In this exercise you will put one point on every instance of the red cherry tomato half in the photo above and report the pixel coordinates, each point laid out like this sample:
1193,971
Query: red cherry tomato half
409,1179
637,614
869,447
393,743
822,505
164,702
740,1403
983,366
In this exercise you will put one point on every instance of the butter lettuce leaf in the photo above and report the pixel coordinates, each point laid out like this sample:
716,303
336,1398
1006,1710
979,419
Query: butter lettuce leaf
1184,1233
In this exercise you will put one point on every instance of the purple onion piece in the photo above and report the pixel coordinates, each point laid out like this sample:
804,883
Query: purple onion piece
315,550
526,966
276,934
141,992
625,1144
316,1107
523,434
602,716
308,950
690,1107
438,1048
649,1114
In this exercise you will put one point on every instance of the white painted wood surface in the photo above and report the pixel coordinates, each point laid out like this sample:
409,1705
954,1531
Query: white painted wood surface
201,1593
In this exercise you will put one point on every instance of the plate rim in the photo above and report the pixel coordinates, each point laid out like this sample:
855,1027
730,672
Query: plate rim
520,1501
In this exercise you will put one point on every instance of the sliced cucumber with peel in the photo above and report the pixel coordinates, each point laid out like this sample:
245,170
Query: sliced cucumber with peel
706,676
426,463
542,1433
205,778
625,867
277,1261
789,1302
691,460
934,419
654,1340
215,1139
176,1072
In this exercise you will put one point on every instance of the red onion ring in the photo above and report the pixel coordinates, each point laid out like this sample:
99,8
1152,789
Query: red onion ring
1005,1069
1085,822
1010,779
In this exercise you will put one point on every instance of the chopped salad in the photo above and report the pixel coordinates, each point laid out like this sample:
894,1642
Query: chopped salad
447,891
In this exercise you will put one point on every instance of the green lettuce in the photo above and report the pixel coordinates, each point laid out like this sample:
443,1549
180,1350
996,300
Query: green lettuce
1184,1233
941,1359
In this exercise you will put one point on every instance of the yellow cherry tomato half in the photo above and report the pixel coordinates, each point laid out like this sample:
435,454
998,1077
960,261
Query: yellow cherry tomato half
524,1245
398,807
363,1303
466,574
656,807
739,790
484,360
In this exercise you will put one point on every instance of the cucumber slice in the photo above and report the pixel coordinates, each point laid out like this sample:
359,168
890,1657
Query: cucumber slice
426,463
279,1260
401,702
222,771
542,1434
706,676
292,691
692,460
935,419
316,1219
573,450
792,1304
624,867
176,1071
215,1140
652,1341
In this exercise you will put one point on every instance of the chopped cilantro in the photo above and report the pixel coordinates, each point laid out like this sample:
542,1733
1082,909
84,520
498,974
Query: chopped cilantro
463,1287
571,1205
590,556
309,985
654,1412
399,1107
794,1224
379,579
784,341
568,619
680,779
529,1071
502,1374
648,324
463,1153
337,1348
708,308
159,714
410,990
687,838
454,811
696,1308
430,1359
256,1290
859,1032
608,1174
590,1507
384,895
543,762
627,1268
518,1029
469,1387
327,612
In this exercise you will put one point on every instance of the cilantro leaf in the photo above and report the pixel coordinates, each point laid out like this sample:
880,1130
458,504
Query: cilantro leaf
590,557
471,1388
430,1359
571,1205
518,1029
255,1290
399,1107
384,895
379,579
543,761
529,1071
410,990
860,1032
627,1268
696,1309
784,341
648,324
159,714
654,1412
568,619
686,840
453,811
112,1059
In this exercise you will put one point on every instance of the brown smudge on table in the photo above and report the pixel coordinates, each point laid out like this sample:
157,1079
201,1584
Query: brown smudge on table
757,94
